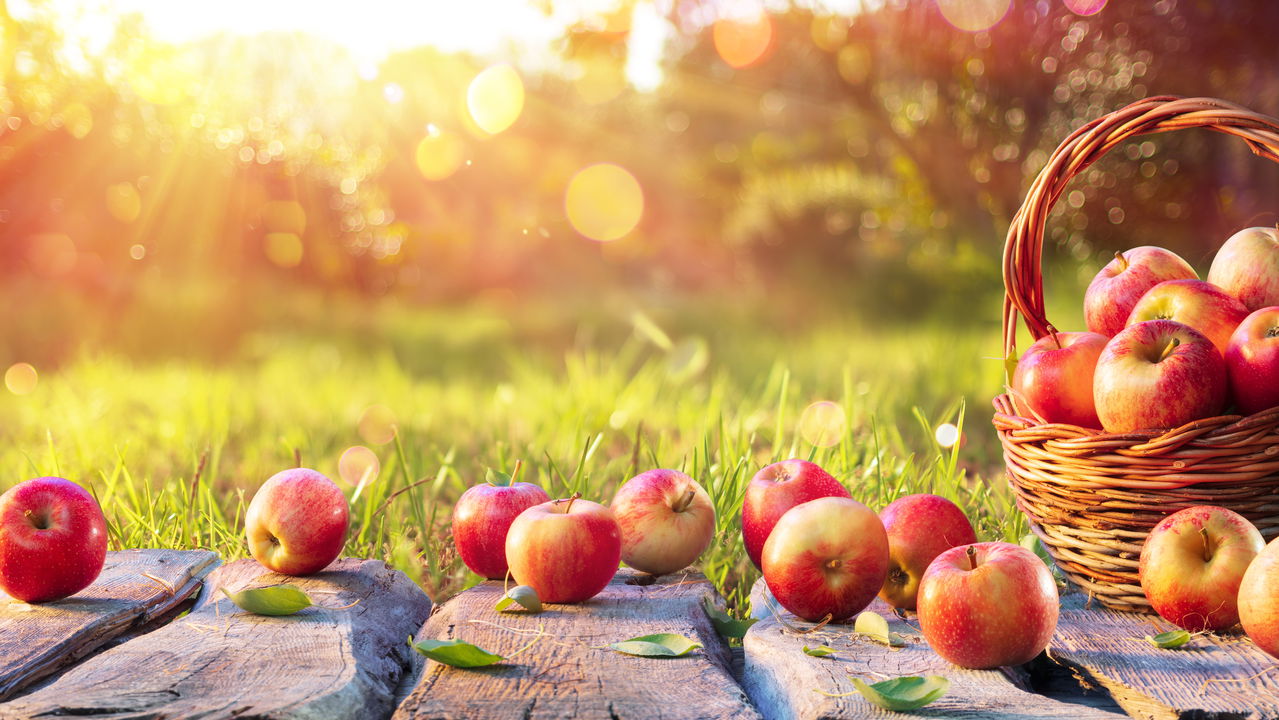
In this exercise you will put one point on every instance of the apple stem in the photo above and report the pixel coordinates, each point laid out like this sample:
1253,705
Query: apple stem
569,507
682,504
1273,332
1123,261
1056,340
515,474
832,564
1203,533
1168,350
971,552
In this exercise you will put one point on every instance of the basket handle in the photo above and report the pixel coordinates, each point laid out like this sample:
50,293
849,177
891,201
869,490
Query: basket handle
1023,250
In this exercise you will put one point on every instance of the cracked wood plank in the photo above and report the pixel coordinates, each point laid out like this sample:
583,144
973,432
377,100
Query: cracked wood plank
38,640
564,674
1215,676
220,662
783,682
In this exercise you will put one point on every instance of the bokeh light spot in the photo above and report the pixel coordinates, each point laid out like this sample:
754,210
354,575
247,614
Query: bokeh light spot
604,202
284,249
495,98
822,423
853,63
1085,7
688,357
284,216
21,378
600,81
947,434
123,202
439,155
137,252
77,119
377,425
358,466
829,32
974,15
743,42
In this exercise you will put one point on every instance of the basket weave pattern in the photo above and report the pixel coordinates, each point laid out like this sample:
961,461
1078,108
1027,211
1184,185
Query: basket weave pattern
1091,496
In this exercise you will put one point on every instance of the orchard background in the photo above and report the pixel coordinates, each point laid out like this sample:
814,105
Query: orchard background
652,233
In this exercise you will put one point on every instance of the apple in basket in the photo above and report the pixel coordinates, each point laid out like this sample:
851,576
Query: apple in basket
776,489
1247,267
1054,377
1158,374
1201,305
53,540
919,527
1120,284
1192,565
666,518
1259,599
567,550
1252,361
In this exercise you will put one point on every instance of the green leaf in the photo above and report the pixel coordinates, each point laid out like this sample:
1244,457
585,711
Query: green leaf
497,478
873,626
727,626
455,653
819,651
1031,542
659,645
284,599
903,693
1170,639
523,595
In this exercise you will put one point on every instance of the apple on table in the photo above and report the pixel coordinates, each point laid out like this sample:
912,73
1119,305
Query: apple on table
919,528
1120,284
483,516
1259,599
53,540
1198,304
666,518
1252,361
567,550
776,489
1054,377
297,522
1247,267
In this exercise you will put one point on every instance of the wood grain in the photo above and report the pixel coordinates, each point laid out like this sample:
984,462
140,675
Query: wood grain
783,682
220,662
564,673
1214,676
37,640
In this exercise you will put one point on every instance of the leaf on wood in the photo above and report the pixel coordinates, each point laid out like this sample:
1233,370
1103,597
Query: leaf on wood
819,651
903,693
658,645
522,595
728,627
455,653
1169,640
873,625
276,600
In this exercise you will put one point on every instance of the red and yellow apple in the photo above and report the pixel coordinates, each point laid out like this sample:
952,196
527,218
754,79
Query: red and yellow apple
826,556
297,521
567,550
1247,267
1252,361
53,540
778,488
666,519
988,604
919,527
1192,564
1158,374
1116,288
1259,599
1198,304
481,519
1054,377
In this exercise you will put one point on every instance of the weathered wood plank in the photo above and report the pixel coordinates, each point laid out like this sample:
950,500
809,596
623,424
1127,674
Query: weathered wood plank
1214,676
220,662
783,682
37,640
563,672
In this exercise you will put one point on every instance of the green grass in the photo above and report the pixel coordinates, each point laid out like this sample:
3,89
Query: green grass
174,449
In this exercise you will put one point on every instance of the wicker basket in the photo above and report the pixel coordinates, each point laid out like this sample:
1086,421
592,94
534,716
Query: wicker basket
1091,496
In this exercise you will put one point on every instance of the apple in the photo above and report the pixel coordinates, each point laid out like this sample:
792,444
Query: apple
1252,361
1201,305
666,519
1120,284
778,488
987,605
1054,377
482,517
1192,564
53,540
827,556
1158,374
1259,599
567,550
297,521
1247,267
919,527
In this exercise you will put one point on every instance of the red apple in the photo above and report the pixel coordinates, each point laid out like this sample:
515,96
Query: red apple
776,489
297,521
1203,306
1247,267
53,540
1158,374
481,519
987,605
826,556
666,519
1117,287
920,527
1192,564
567,550
1054,377
1252,361
1259,599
